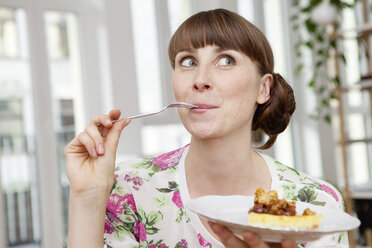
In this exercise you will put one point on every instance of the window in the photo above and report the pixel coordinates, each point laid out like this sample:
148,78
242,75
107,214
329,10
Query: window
17,134
65,78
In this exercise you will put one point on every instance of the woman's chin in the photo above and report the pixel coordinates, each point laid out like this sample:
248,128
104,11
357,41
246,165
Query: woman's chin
203,133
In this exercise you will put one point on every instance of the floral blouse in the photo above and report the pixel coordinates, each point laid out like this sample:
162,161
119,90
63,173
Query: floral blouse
146,206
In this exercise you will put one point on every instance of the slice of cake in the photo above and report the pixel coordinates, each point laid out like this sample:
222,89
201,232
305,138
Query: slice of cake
268,210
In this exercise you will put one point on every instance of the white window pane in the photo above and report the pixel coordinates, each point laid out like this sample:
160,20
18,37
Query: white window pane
179,11
146,54
66,85
246,9
18,162
358,163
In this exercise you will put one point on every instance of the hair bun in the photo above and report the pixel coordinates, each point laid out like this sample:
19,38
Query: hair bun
273,116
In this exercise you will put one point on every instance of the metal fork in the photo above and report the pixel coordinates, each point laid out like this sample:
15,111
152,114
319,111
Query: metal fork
172,105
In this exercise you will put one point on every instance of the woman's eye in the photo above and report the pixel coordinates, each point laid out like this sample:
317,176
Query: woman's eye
227,60
188,62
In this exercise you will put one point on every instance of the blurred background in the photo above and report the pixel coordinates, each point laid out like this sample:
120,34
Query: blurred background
63,62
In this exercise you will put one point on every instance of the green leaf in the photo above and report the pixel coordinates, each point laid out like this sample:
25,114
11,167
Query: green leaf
299,68
141,214
332,96
318,203
143,245
121,232
179,215
319,64
152,230
143,164
321,52
126,218
306,194
343,58
321,89
119,190
153,169
128,210
162,201
319,38
154,217
325,102
165,190
336,80
172,185
311,84
340,237
332,43
327,119
309,44
310,26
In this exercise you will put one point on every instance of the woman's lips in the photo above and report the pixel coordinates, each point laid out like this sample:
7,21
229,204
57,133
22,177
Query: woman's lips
203,107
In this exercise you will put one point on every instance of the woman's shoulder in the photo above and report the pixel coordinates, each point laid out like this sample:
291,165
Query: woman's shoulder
296,185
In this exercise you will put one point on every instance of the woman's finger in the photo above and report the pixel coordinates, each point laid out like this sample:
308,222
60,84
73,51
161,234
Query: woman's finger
88,143
102,120
228,239
288,243
95,135
253,240
113,115
113,135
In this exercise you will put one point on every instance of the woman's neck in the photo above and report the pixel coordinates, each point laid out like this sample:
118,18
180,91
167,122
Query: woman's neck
225,166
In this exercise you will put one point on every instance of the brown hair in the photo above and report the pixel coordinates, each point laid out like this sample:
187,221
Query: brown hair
229,30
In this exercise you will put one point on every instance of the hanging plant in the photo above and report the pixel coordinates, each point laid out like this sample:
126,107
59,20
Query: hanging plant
319,19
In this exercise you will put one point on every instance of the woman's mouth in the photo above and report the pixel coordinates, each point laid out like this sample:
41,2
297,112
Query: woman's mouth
203,107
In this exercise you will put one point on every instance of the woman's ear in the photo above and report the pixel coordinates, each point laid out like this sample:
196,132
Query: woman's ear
264,90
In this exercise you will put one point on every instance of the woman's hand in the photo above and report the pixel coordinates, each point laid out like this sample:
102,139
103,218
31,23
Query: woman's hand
90,156
249,239
90,166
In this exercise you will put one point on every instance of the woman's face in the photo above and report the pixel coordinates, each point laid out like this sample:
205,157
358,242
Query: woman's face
224,84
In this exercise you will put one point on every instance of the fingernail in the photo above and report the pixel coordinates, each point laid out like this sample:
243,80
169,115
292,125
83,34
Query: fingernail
94,152
108,121
101,150
248,236
216,228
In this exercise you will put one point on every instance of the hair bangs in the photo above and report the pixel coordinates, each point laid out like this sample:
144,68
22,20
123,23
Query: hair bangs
210,28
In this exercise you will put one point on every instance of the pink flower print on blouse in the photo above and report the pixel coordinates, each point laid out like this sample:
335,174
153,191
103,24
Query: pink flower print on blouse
115,204
329,190
109,227
177,199
182,244
168,160
129,199
140,231
136,181
203,242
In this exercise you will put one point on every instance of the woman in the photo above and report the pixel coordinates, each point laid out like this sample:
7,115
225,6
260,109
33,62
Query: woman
224,65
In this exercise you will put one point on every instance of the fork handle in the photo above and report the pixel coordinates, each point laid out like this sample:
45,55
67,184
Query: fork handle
143,115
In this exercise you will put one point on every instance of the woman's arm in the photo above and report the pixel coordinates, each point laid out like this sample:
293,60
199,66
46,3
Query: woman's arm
90,163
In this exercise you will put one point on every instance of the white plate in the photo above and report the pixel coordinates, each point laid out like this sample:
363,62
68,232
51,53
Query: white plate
232,211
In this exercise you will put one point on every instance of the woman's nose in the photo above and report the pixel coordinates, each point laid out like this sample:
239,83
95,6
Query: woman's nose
201,86
202,80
